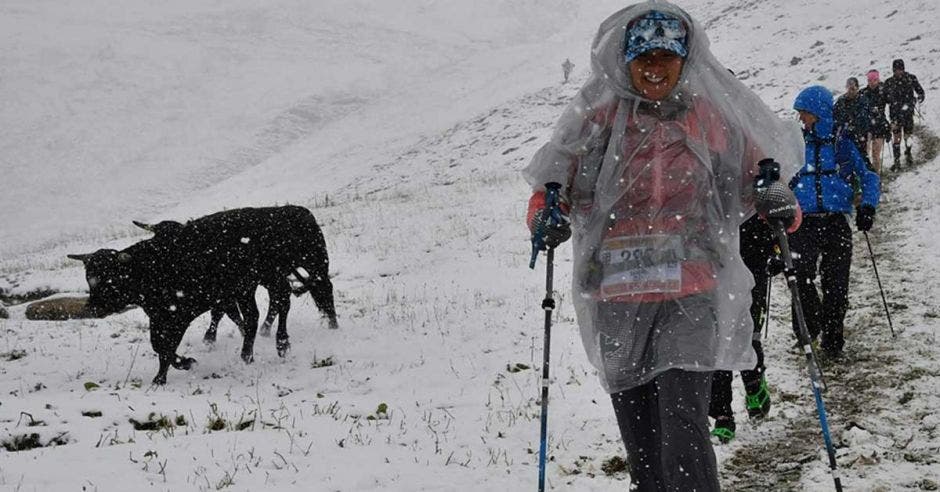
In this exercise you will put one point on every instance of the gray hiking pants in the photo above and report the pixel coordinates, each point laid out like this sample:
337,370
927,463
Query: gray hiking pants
664,425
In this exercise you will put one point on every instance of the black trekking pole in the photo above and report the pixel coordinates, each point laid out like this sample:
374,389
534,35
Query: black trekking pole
878,277
770,280
776,203
548,305
813,368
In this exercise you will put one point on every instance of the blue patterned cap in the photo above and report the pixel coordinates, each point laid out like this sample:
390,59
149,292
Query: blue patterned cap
655,30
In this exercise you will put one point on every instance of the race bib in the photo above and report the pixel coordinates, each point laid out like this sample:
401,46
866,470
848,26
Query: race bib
641,265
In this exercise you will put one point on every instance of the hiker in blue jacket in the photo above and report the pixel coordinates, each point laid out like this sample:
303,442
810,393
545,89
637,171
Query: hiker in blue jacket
824,189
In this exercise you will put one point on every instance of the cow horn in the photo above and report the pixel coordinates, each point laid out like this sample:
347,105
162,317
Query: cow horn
81,258
146,227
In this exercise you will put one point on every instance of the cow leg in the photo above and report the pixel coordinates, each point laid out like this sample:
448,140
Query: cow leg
265,329
165,361
282,341
210,336
280,303
321,289
249,312
183,363
234,313
165,338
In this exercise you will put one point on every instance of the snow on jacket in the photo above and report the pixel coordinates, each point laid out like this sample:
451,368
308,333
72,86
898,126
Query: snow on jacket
852,115
824,184
902,92
665,177
877,100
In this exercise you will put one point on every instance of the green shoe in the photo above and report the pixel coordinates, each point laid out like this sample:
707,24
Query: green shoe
758,401
724,429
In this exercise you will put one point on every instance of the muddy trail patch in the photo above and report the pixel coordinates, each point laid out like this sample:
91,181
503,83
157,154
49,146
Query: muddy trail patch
881,393
926,150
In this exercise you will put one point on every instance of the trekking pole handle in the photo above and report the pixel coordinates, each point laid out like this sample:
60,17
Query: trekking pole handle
552,191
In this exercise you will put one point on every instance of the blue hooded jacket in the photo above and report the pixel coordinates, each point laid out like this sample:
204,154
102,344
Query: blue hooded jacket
824,184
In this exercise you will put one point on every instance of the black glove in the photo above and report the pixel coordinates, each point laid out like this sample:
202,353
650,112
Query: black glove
920,99
768,172
775,265
552,234
864,217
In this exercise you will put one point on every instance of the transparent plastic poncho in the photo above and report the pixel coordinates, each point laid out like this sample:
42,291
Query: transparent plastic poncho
657,192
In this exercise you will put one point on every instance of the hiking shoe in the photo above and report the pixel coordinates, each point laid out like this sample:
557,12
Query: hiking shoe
758,400
908,158
832,354
724,429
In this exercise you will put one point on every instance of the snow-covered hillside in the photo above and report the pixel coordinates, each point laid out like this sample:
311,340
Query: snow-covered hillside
403,128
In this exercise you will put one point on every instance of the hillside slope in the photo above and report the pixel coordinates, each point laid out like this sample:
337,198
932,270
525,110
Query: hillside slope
439,314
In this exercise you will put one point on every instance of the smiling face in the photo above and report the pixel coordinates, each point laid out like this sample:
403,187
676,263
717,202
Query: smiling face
655,73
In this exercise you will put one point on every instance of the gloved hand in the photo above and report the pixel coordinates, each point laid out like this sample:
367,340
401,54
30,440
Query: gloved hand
768,171
775,264
552,234
864,217
920,99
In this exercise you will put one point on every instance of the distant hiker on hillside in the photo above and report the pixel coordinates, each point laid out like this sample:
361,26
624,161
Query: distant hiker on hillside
824,190
903,92
757,251
878,128
851,115
566,68
656,156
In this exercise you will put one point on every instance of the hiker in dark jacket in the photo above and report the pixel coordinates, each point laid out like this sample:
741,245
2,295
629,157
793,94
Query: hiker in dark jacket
903,92
757,251
878,128
824,190
851,116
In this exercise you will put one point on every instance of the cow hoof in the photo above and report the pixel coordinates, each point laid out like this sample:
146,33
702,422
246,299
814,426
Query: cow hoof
282,348
333,324
184,363
160,379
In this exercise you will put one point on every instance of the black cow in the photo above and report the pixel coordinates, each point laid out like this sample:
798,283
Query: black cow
278,287
216,261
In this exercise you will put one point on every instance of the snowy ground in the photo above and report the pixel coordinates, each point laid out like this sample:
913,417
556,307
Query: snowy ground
403,129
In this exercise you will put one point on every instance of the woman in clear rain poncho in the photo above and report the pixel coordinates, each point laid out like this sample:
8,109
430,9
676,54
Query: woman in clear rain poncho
656,156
